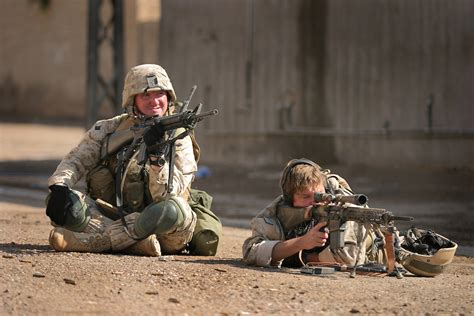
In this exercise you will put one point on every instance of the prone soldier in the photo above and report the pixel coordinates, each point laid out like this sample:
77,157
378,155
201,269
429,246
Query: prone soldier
315,222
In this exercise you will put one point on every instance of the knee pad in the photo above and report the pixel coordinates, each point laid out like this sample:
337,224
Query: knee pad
78,214
160,218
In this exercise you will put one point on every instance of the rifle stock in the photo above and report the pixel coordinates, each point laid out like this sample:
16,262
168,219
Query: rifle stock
116,141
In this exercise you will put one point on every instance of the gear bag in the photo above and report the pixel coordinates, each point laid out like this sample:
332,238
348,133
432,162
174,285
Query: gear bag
208,229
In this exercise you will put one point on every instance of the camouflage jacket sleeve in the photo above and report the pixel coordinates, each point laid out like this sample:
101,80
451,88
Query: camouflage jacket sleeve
185,168
266,233
86,155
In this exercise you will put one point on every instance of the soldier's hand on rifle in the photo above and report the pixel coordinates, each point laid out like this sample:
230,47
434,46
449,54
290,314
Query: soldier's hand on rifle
59,202
154,135
315,237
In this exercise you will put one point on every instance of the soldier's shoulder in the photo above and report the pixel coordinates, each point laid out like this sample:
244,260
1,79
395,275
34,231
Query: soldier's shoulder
114,120
104,127
110,124
335,182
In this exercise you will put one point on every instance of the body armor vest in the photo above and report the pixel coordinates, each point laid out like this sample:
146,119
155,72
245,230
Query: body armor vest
101,181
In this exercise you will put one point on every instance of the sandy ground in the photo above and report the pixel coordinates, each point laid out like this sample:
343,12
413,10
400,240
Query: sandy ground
36,280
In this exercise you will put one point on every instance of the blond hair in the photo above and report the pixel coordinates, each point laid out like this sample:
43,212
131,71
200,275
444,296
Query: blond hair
302,177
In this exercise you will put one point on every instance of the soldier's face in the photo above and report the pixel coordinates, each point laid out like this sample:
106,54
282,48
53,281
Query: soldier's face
152,103
305,197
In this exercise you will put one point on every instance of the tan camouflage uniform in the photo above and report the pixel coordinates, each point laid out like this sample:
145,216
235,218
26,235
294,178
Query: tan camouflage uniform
87,155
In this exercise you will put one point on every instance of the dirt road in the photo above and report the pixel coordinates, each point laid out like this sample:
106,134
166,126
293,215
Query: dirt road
36,280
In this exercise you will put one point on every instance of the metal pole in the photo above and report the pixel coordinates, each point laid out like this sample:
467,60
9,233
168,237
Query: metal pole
100,89
118,54
92,62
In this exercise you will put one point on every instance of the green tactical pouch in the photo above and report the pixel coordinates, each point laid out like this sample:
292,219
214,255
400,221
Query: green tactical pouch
208,229
101,184
134,187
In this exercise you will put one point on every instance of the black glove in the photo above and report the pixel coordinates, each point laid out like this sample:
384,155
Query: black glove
59,203
154,135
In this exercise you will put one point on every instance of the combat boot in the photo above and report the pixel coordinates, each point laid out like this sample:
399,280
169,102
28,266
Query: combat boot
62,239
149,246
112,238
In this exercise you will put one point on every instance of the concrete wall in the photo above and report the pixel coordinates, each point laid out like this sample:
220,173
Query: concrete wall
335,81
43,54
352,81
386,65
43,58
262,68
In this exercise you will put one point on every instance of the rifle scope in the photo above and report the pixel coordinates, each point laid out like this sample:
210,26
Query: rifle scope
357,199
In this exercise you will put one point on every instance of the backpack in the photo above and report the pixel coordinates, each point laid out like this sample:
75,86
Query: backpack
208,230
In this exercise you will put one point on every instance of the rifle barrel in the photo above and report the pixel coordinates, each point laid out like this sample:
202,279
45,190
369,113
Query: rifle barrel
208,113
358,199
403,218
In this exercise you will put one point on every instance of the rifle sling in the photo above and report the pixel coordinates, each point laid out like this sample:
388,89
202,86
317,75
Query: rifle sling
390,251
124,157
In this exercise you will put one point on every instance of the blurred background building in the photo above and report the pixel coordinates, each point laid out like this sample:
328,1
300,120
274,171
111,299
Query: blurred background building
353,82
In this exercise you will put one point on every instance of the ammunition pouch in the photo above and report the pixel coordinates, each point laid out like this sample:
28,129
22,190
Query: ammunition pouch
208,230
134,188
101,184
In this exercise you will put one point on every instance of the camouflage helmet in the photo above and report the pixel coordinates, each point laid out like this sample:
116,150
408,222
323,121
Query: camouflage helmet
144,78
426,253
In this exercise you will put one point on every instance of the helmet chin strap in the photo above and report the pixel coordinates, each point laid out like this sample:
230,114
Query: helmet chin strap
136,113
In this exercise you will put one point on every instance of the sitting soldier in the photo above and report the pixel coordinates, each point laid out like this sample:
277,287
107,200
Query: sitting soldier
129,207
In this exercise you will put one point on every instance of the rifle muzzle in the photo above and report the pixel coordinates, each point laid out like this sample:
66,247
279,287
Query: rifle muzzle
403,218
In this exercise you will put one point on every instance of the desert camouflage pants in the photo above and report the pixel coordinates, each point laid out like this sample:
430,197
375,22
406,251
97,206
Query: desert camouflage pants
171,243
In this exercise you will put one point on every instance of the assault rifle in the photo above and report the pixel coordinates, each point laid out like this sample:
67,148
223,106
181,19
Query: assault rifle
339,210
132,137
186,119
